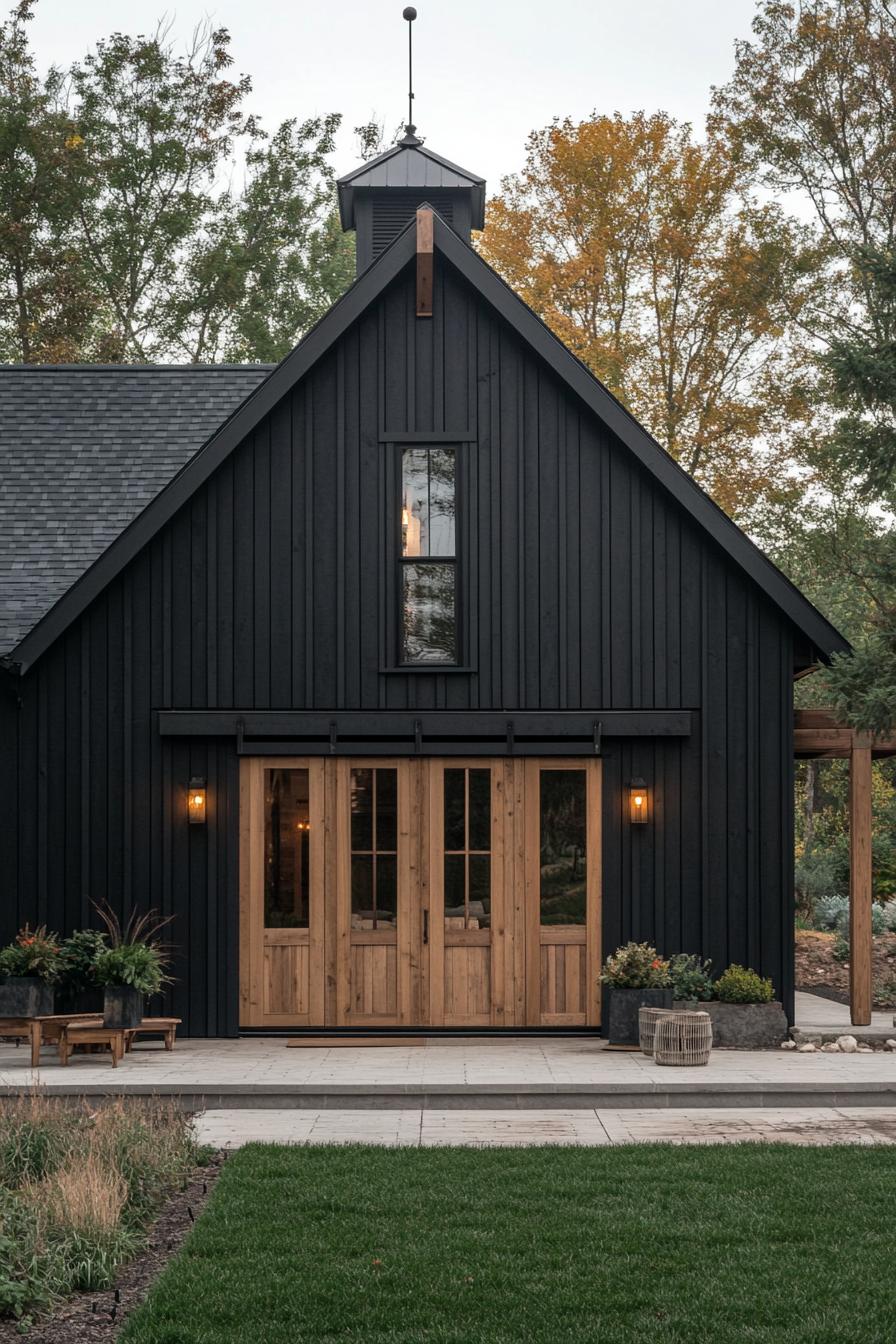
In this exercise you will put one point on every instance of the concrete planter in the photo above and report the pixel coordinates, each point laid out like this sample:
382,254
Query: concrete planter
622,1018
123,1006
747,1026
25,996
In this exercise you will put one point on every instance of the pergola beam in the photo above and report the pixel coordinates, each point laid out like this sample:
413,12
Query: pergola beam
818,734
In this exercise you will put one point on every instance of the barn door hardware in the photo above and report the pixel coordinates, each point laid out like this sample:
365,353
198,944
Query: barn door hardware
333,737
418,737
598,729
510,737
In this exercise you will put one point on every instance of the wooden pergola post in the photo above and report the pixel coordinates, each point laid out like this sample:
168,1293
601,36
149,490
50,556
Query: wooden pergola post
860,941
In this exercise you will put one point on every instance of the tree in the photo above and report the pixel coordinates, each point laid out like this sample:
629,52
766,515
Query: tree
122,236
644,252
47,307
811,110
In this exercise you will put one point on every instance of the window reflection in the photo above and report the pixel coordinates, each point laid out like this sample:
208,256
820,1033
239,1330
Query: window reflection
563,856
427,501
428,549
467,847
430,627
374,848
287,835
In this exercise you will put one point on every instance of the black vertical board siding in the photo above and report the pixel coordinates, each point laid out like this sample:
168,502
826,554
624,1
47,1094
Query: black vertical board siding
582,587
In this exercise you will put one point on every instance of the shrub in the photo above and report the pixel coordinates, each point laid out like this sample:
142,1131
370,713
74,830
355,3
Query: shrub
833,913
739,985
34,952
636,966
888,915
77,959
135,964
691,977
840,950
829,910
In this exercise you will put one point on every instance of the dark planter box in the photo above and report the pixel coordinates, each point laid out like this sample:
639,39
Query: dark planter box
622,1018
80,1001
747,1026
123,1006
25,996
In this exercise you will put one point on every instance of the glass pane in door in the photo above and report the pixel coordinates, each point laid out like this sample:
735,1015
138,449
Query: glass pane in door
562,826
467,842
374,848
286,844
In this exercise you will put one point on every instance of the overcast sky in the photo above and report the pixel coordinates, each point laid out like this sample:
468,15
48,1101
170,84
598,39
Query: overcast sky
486,71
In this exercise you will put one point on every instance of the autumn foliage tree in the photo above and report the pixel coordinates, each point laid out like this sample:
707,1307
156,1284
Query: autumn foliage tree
643,250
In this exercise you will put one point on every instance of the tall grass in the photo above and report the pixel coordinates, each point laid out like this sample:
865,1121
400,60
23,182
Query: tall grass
78,1187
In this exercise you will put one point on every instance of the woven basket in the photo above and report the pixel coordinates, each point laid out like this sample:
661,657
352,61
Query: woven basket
647,1021
683,1038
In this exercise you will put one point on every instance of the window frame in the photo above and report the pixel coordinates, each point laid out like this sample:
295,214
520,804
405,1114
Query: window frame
403,664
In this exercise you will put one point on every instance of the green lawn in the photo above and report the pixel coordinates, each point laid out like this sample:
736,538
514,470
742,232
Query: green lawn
490,1246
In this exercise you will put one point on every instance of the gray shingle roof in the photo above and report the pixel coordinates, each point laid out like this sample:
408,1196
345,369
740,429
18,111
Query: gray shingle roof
83,449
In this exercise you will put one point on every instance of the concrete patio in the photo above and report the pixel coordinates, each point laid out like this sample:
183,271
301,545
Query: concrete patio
456,1074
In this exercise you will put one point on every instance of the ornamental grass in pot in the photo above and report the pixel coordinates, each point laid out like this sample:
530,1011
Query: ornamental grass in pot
131,967
635,976
29,968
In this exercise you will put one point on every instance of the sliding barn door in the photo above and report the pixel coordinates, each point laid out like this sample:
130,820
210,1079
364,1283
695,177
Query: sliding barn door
282,893
379,924
563,897
466,919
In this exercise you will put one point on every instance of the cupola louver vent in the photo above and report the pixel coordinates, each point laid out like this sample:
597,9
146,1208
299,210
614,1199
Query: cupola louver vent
390,216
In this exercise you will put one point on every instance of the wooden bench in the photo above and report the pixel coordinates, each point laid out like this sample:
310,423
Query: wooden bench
42,1030
115,1038
155,1026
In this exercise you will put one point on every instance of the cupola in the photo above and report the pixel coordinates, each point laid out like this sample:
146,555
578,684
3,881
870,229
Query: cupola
382,196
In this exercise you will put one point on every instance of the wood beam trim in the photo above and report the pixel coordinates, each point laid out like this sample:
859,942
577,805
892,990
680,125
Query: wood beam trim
424,262
860,886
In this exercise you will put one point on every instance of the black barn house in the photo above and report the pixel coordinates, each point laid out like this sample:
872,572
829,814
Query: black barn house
349,664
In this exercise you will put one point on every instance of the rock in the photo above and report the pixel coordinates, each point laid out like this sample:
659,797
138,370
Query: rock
848,1044
890,1044
808,1049
865,1049
831,1048
791,1045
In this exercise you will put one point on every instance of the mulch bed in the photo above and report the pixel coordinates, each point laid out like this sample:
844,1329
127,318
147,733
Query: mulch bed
818,971
95,1318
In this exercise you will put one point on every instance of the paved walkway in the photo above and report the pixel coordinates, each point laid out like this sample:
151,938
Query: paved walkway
427,1128
826,1018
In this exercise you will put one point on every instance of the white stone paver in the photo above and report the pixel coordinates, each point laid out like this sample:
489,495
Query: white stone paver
523,1063
414,1127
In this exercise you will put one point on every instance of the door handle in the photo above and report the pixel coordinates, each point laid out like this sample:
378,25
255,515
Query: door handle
425,926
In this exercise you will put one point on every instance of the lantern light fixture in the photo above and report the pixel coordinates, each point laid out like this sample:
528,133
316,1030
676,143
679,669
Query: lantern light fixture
639,802
196,795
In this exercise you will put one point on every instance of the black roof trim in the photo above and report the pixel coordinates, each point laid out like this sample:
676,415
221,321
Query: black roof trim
785,595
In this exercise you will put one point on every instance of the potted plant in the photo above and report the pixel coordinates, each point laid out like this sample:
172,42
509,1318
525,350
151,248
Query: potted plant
29,968
78,990
691,981
636,977
744,1013
131,967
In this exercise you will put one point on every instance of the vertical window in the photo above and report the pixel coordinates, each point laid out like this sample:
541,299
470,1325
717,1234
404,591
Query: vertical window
562,826
286,839
428,557
468,844
374,853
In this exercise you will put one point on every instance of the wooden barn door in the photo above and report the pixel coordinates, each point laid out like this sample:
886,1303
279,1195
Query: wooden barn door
563,895
380,825
466,920
282,897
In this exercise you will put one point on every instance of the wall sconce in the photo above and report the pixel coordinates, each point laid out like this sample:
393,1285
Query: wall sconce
196,801
639,802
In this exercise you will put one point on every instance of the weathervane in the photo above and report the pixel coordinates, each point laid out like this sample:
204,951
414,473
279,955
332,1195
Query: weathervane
410,135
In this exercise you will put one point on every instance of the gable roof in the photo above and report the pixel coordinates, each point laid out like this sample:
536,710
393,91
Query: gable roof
489,285
84,449
409,165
